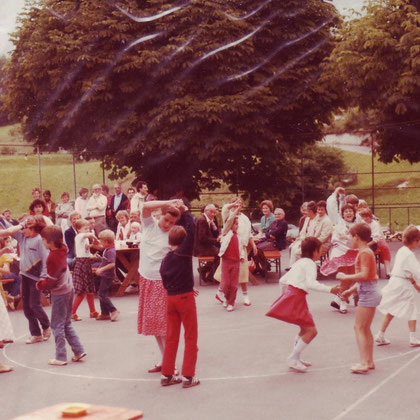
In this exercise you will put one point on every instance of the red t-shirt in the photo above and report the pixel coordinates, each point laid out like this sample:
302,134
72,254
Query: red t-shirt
232,251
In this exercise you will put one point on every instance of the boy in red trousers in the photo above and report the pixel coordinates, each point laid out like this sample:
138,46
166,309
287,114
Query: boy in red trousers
177,276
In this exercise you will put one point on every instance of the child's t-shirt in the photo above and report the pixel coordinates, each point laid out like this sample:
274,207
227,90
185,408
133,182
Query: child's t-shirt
81,245
366,258
232,250
108,257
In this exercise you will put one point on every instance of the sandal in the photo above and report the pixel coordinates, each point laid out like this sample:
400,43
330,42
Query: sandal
170,380
359,369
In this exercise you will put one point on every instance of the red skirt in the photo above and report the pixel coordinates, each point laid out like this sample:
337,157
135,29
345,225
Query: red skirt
152,307
346,260
291,307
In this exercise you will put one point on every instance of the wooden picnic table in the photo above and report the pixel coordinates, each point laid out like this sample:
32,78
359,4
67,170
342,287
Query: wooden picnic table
129,259
94,412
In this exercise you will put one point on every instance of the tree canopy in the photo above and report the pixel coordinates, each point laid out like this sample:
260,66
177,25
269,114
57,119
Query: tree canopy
183,94
376,66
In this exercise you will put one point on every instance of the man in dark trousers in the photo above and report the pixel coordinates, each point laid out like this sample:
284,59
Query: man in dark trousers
205,242
119,201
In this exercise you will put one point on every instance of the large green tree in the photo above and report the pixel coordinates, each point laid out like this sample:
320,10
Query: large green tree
183,94
376,66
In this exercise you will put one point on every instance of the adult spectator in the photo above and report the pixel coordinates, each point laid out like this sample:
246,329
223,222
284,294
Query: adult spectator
7,216
105,192
69,236
63,210
205,244
37,208
96,207
123,227
140,196
334,204
274,238
324,227
303,214
119,201
130,194
267,218
81,203
50,204
36,193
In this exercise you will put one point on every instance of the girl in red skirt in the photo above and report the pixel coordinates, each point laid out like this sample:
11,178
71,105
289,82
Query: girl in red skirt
292,307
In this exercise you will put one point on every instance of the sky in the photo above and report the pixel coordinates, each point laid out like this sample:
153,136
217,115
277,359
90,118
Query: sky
10,8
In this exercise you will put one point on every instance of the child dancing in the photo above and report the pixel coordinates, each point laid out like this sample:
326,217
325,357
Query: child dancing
369,295
292,307
398,295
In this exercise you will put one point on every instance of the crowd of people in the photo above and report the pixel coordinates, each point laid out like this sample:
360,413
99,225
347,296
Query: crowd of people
71,252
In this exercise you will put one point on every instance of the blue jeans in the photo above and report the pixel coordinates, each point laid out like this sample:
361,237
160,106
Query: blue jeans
105,302
12,288
32,307
62,328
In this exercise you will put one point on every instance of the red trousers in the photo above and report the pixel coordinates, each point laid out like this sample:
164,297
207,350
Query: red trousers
181,310
230,279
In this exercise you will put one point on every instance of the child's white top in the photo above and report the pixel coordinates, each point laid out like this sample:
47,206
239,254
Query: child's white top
136,237
375,227
81,245
302,275
406,265
153,248
122,232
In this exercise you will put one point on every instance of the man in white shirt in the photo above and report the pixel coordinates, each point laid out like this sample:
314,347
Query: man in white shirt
140,196
96,207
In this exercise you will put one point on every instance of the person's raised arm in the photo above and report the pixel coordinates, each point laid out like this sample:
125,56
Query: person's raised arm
150,206
11,230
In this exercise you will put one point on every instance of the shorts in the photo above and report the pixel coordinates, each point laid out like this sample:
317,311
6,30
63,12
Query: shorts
369,294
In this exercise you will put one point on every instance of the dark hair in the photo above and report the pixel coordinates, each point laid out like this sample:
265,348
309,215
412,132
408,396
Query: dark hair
47,192
83,190
309,246
321,203
39,223
37,202
311,206
173,211
176,235
362,230
131,188
140,184
53,234
346,207
267,203
65,194
352,199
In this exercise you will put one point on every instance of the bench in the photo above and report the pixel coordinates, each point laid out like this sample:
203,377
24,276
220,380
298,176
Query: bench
274,258
204,264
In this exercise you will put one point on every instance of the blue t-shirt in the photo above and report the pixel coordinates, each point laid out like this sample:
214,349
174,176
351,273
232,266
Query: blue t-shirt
108,257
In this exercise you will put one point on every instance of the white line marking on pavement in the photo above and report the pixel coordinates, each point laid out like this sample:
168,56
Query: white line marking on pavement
374,389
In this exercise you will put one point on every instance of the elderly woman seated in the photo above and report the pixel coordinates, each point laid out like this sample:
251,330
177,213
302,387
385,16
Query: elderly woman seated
275,238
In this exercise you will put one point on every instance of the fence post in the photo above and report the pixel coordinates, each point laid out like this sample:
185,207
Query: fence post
74,177
373,172
408,215
39,168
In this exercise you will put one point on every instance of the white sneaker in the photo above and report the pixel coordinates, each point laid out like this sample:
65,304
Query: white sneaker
296,365
382,341
343,308
56,362
220,296
225,304
229,308
114,315
414,342
247,302
131,289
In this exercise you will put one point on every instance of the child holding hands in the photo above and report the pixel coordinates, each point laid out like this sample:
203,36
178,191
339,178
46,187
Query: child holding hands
369,295
232,252
292,307
82,273
59,282
398,295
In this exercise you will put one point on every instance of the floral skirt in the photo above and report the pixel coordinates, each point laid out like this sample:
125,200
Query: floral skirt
332,265
291,307
152,307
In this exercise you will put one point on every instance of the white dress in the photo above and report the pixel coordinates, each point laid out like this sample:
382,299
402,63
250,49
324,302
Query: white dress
6,331
398,295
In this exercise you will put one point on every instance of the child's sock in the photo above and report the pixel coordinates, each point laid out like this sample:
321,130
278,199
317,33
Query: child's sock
297,350
296,340
245,292
76,303
381,334
90,297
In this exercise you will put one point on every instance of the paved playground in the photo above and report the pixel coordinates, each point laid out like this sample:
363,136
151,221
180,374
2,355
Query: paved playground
241,365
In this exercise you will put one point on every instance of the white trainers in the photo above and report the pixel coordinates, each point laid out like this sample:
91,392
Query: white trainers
414,342
229,308
343,308
132,289
34,339
56,362
225,304
247,302
114,315
382,341
296,365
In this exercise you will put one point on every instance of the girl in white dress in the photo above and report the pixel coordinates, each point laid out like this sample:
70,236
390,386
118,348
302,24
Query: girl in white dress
398,295
6,332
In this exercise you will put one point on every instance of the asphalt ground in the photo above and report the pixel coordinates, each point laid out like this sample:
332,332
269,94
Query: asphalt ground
241,365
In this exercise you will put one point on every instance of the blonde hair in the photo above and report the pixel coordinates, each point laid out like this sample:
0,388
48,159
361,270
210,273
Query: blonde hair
107,235
80,223
136,225
123,213
410,234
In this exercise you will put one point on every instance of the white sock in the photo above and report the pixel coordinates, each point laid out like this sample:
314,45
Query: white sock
297,350
412,336
343,306
245,292
337,299
381,334
296,340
